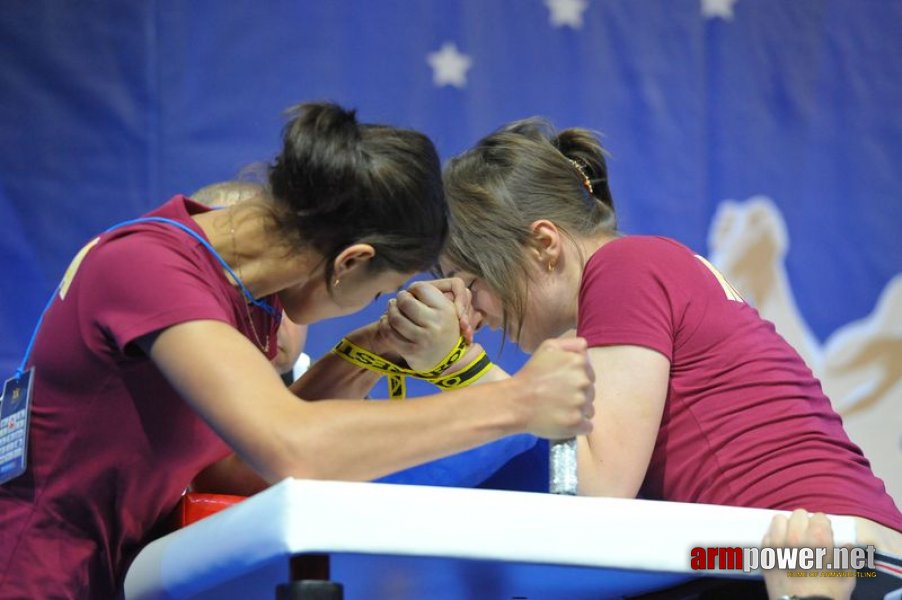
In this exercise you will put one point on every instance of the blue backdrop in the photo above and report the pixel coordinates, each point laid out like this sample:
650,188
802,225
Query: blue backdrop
108,107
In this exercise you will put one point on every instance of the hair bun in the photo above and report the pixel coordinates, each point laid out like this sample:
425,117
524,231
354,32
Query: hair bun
321,138
582,147
324,119
338,182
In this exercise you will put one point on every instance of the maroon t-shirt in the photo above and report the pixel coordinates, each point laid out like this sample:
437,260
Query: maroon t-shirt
112,445
745,422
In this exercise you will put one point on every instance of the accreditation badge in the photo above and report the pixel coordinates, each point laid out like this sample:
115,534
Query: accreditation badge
15,411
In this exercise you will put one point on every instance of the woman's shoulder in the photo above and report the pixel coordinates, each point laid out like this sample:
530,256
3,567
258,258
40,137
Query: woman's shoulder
135,251
168,228
641,249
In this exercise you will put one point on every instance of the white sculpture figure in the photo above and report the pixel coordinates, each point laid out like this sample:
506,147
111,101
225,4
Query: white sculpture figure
859,365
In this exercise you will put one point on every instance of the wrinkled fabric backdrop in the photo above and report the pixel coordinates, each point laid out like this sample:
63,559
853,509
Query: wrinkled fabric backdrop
764,134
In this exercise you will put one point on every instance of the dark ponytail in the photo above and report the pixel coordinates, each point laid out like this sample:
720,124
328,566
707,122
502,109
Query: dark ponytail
337,182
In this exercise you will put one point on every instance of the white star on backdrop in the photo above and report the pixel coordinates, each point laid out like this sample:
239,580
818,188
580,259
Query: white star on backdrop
718,8
449,66
567,12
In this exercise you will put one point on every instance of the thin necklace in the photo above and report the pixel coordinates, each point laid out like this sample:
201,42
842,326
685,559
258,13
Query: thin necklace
263,346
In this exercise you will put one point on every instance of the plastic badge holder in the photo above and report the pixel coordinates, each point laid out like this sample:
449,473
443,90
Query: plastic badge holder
15,408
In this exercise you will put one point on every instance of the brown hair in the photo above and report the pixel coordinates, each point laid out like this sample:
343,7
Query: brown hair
521,173
337,182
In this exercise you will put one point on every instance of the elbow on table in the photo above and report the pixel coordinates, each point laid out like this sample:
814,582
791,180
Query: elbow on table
295,463
598,477
298,454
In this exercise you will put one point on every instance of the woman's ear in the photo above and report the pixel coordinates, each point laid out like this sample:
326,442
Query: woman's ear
352,258
546,243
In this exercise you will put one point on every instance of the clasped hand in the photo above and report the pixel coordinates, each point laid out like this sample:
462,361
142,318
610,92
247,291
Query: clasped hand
423,323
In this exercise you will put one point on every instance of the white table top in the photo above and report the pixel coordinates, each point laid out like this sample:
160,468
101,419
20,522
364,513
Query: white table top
246,546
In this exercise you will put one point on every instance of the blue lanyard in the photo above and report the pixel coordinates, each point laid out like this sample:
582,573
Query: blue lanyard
247,294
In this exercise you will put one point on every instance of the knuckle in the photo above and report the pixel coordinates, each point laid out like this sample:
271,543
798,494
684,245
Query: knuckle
576,418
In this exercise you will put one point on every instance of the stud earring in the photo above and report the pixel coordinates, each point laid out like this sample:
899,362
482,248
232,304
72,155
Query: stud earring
550,266
337,281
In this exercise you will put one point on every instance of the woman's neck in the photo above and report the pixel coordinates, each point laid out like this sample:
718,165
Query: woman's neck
591,244
246,237
581,250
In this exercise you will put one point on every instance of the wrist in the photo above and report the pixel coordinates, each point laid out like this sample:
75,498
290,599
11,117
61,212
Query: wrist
473,350
515,400
493,408
369,338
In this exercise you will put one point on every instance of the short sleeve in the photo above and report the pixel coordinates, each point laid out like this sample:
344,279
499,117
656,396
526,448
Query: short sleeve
141,283
624,299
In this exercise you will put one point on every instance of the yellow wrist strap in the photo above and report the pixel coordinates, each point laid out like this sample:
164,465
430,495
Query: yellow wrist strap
469,374
397,387
365,359
457,352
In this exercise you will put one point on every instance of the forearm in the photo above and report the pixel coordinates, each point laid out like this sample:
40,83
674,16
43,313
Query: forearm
333,377
363,441
237,392
370,434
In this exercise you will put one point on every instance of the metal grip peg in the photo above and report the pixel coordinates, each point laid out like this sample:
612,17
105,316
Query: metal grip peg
562,462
